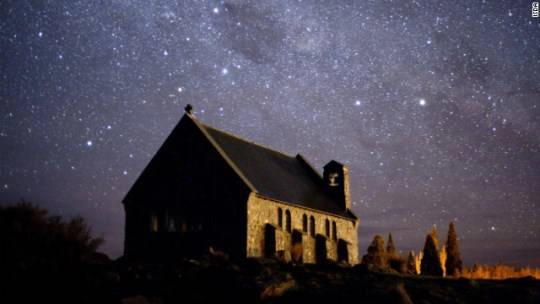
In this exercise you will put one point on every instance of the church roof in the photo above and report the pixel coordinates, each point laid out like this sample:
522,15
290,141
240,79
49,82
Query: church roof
274,174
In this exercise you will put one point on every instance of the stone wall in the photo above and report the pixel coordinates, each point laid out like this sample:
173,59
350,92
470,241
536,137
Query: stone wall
262,211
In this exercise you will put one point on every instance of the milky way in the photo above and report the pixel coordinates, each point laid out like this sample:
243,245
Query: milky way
434,106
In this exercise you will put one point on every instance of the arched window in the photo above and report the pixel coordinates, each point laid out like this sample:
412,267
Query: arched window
304,223
327,227
288,220
312,226
334,230
280,217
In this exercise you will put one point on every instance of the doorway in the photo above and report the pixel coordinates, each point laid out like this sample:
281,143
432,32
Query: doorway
297,248
269,241
342,251
320,249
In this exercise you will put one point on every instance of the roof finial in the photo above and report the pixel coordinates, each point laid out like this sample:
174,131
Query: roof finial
189,109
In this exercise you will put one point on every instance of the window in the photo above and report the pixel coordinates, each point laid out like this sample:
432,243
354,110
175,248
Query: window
334,230
327,227
280,217
154,223
183,226
304,223
172,224
312,226
333,179
288,220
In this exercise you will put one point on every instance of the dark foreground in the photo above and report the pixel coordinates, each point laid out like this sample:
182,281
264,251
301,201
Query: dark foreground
218,281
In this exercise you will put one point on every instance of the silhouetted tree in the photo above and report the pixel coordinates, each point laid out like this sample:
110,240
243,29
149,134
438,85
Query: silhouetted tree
431,263
28,233
376,254
454,265
393,260
51,257
390,247
411,263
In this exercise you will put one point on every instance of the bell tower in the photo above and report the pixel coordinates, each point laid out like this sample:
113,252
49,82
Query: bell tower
336,180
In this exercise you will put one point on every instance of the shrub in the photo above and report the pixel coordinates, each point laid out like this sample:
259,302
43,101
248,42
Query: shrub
376,254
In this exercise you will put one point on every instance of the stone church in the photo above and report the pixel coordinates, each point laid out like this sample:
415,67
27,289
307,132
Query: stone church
206,188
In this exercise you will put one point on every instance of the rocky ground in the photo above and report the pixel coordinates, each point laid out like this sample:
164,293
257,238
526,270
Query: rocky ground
273,282
218,280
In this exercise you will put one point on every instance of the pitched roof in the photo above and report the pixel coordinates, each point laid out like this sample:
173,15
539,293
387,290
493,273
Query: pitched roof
274,174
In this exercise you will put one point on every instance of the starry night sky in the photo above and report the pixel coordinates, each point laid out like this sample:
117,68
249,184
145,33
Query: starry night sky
435,107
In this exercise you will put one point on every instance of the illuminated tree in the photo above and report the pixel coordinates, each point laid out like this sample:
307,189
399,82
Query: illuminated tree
442,258
435,234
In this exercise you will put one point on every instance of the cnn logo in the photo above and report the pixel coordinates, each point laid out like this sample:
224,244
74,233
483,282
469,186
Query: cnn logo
535,10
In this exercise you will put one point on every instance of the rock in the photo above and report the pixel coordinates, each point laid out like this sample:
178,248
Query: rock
277,289
253,266
217,255
138,299
284,256
194,262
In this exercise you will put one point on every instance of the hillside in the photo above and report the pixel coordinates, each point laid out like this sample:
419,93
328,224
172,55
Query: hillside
269,281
